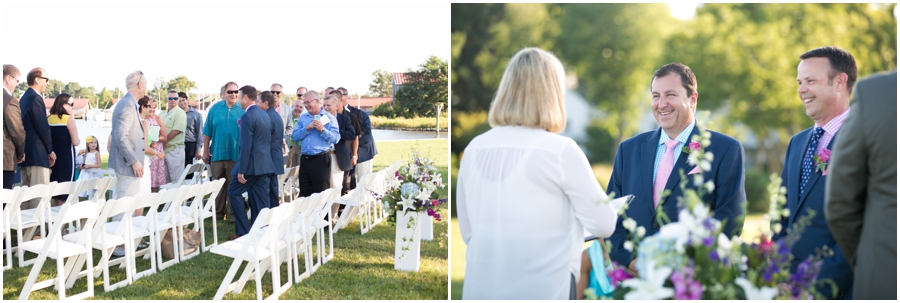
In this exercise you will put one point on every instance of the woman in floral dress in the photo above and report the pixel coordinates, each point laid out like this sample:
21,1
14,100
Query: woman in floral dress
157,142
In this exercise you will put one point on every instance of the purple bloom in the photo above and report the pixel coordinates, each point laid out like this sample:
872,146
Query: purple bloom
726,261
782,248
710,224
685,287
709,241
713,255
618,275
770,271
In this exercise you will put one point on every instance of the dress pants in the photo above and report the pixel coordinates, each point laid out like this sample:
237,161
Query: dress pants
222,169
255,188
189,149
315,174
274,199
34,175
8,176
294,156
174,164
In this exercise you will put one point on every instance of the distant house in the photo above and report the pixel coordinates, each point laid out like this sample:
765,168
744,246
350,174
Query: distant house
80,107
369,104
400,79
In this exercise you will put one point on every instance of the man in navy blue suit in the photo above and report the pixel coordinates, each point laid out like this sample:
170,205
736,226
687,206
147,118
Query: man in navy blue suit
826,76
649,163
268,104
39,155
254,164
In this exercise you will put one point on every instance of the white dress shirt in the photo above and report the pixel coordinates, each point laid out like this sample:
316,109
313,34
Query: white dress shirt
524,198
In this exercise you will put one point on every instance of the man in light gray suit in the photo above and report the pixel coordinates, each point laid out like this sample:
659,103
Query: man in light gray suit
861,192
126,154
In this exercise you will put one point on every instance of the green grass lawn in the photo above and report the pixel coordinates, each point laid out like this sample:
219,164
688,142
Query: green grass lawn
423,123
362,267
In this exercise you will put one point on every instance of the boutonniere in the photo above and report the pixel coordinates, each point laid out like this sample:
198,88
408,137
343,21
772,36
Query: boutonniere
694,145
822,161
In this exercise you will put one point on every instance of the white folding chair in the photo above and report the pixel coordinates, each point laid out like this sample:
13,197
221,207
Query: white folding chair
50,212
208,210
162,222
188,169
142,226
257,249
107,235
311,223
8,196
184,214
287,191
329,196
53,246
355,207
24,222
299,232
204,174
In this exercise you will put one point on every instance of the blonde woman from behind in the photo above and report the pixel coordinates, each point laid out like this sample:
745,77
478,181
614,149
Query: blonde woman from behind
524,193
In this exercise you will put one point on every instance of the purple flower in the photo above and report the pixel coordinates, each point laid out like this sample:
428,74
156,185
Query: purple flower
685,287
710,224
782,248
709,241
618,274
770,271
713,255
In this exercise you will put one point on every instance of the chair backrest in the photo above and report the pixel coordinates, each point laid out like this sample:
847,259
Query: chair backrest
112,208
66,188
39,191
84,185
151,201
204,173
213,189
172,197
70,213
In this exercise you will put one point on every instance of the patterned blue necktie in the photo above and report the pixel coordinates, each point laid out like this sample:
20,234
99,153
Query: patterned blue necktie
808,159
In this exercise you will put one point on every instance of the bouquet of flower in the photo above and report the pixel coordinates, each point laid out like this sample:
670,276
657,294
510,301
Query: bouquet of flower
413,188
693,259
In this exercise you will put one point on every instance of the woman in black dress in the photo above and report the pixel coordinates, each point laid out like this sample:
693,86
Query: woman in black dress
64,134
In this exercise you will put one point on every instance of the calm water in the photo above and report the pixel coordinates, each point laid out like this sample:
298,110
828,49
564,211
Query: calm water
102,129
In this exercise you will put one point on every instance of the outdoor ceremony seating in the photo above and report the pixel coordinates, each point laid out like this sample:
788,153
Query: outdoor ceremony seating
142,226
8,196
286,189
53,246
183,180
106,236
159,222
207,210
27,223
354,203
185,214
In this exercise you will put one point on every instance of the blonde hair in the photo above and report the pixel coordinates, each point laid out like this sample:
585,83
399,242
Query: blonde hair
89,140
531,92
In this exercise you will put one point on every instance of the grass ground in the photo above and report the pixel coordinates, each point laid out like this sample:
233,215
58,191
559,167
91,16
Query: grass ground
422,123
362,267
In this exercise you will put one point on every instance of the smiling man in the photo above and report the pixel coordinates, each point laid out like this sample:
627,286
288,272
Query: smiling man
648,164
825,77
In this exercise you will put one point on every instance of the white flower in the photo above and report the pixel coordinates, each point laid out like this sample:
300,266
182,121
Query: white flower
724,246
408,203
628,245
705,166
629,224
677,232
698,179
776,228
710,186
753,293
705,142
708,156
641,231
650,286
424,193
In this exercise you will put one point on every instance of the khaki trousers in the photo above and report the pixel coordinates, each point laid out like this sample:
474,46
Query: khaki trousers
294,157
34,175
222,169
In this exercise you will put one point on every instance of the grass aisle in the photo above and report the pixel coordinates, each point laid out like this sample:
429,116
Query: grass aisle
362,268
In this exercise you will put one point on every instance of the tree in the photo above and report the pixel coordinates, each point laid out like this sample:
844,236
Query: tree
382,84
73,88
426,87
104,98
181,84
54,88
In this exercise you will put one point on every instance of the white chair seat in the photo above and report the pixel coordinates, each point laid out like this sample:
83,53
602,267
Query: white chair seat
160,222
136,231
111,239
66,248
233,248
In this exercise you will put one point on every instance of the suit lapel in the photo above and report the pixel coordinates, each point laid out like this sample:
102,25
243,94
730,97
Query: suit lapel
648,155
813,178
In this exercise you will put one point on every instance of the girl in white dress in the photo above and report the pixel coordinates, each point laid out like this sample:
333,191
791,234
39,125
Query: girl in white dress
525,194
87,159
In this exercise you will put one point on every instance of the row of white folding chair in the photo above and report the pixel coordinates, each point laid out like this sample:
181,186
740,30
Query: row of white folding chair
53,246
355,207
379,185
286,189
182,180
107,235
205,211
261,249
7,195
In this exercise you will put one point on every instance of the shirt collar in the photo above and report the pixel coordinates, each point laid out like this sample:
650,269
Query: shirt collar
835,124
682,137
7,91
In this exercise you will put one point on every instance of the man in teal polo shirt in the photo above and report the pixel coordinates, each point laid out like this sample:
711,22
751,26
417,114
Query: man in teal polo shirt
222,128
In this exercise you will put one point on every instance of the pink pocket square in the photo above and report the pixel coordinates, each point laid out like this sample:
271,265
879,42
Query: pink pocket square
696,170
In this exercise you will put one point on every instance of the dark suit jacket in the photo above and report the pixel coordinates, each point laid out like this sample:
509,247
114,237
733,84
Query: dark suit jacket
342,148
633,175
37,130
256,141
367,149
861,190
817,234
13,132
277,130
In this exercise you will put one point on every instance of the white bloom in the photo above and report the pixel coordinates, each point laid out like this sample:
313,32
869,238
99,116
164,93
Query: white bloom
650,286
705,142
776,228
785,212
628,246
710,186
724,246
706,135
408,203
425,193
705,166
698,179
753,293
677,232
641,231
708,156
629,224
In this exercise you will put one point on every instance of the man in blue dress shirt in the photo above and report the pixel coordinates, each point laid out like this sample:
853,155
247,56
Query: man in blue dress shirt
317,132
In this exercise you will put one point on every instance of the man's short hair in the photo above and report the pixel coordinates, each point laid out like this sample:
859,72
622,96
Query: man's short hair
224,87
302,87
131,81
334,100
343,91
531,92
268,97
688,79
172,91
841,61
10,70
182,95
33,74
336,92
312,94
249,91
277,84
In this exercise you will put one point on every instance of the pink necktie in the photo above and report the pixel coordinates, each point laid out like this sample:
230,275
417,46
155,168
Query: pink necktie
662,173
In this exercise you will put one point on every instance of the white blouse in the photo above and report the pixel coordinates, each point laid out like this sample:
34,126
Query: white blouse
524,198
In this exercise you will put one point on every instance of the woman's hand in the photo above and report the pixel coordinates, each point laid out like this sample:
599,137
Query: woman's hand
160,155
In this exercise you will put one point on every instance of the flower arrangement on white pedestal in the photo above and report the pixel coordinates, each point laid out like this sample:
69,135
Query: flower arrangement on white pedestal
693,259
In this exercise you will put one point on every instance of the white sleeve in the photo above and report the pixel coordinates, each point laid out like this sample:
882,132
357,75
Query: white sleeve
465,229
585,193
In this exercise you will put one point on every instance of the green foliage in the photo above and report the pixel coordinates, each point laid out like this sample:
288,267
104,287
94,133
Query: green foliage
755,183
466,125
421,123
181,84
426,87
599,143
384,110
382,84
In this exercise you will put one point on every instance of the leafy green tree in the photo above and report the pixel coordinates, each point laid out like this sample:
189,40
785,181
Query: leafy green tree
427,86
54,88
104,98
181,84
382,84
614,49
73,88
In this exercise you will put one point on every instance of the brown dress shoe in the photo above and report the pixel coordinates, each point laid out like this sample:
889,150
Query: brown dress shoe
232,237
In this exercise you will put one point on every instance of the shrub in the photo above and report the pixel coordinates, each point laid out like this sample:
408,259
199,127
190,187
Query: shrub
755,185
385,110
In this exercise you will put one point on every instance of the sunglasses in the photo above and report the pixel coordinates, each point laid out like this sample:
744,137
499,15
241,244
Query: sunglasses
276,92
232,92
45,78
173,99
71,103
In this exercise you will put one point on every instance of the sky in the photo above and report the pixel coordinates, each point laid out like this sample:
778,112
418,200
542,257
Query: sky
98,43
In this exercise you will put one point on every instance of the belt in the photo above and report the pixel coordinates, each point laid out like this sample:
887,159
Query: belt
327,152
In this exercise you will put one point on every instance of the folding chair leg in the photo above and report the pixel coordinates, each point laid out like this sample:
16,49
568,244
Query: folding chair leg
32,277
229,276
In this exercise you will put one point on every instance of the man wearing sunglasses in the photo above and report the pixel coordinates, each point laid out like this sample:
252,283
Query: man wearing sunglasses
221,145
39,155
176,121
282,111
294,146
